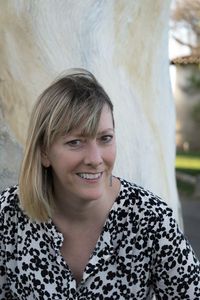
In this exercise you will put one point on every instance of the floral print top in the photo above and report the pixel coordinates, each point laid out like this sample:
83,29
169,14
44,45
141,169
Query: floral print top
140,253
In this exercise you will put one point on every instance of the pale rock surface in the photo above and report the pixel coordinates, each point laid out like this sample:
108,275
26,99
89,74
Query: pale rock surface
10,156
125,44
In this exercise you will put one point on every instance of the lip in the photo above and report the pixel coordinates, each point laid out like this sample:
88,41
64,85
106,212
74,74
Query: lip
90,176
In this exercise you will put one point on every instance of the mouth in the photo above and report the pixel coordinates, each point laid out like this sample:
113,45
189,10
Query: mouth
90,176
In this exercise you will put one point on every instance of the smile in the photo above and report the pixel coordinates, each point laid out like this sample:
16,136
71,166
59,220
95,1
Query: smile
90,176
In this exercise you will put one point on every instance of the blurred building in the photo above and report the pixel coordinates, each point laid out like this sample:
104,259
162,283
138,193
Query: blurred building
186,92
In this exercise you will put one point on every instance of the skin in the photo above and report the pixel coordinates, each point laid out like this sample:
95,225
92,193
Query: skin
82,168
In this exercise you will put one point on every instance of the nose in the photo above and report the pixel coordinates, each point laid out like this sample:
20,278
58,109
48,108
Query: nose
93,154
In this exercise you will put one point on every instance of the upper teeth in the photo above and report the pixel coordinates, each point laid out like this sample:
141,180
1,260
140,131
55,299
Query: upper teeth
89,175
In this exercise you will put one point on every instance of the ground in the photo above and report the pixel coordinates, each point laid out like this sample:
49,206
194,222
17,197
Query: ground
191,220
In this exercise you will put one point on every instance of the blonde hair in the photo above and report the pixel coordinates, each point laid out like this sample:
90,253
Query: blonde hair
74,100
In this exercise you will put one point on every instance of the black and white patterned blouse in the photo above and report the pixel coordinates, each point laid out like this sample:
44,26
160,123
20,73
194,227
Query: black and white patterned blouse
140,252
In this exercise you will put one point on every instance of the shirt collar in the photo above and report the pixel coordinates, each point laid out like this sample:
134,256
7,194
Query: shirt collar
102,252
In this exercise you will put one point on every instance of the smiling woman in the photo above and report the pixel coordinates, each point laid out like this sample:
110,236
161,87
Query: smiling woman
81,164
68,112
73,230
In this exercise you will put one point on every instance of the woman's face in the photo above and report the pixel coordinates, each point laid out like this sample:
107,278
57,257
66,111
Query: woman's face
82,166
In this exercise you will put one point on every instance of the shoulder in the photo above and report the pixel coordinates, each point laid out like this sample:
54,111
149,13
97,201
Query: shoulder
9,201
146,213
143,201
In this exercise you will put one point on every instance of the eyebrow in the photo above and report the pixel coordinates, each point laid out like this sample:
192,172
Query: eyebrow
79,134
105,131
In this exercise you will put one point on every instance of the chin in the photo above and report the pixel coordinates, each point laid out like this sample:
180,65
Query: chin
92,195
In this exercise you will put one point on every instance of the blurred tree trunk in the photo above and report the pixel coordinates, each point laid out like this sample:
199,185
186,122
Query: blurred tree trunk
125,44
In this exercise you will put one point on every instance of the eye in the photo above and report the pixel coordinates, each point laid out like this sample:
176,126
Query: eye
106,138
74,143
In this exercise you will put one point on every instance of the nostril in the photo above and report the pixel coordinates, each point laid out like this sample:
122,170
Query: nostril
93,163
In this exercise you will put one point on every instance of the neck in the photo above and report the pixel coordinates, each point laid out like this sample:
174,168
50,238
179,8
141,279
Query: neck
79,211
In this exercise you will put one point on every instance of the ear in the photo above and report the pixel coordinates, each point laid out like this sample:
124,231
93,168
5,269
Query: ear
44,158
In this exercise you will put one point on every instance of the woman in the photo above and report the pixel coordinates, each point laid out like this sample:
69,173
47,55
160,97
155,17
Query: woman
72,230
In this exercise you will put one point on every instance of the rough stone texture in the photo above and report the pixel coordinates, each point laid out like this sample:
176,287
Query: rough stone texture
10,156
125,44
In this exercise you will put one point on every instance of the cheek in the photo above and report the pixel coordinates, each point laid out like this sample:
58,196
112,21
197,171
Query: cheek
57,161
112,156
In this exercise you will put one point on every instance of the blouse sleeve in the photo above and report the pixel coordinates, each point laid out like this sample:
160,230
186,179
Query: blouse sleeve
176,269
4,285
